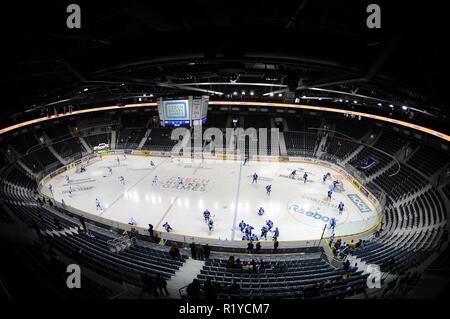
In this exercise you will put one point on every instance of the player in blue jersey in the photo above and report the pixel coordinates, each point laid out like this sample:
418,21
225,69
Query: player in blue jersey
261,211
332,223
206,215
167,227
341,208
305,177
330,192
255,178
264,231
269,224
268,189
97,204
292,175
276,234
210,224
242,225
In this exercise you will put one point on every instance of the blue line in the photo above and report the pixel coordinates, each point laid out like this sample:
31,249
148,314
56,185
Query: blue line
233,230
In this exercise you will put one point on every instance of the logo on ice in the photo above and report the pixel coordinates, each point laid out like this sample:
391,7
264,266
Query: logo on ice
362,206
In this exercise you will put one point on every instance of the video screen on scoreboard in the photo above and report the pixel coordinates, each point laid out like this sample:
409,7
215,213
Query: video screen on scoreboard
176,110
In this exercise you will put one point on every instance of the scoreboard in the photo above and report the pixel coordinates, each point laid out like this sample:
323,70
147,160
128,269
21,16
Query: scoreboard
183,111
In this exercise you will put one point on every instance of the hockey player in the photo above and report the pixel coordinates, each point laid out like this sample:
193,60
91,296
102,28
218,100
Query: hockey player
305,177
269,224
292,175
268,189
180,181
70,191
67,179
341,208
254,237
332,223
210,224
261,211
63,203
109,170
324,179
255,178
97,204
206,215
118,160
132,221
155,181
167,227
50,188
152,164
276,234
248,229
330,192
335,183
242,225
264,231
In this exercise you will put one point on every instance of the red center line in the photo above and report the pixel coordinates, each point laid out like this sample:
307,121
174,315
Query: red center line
166,212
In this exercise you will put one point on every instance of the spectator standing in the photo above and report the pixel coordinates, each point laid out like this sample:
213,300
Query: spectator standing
258,247
150,230
207,250
250,247
200,252
275,245
161,284
193,247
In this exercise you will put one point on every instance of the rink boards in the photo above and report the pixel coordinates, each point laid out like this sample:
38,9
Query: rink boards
297,224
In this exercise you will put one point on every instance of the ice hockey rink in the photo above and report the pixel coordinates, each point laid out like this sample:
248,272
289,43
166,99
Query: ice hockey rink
224,187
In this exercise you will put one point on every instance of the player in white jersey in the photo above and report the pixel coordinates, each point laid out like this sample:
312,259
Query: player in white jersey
118,160
122,180
132,221
50,188
152,164
70,191
180,180
155,181
110,170
67,179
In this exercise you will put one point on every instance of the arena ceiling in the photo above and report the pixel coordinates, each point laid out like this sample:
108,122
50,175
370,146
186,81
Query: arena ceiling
271,50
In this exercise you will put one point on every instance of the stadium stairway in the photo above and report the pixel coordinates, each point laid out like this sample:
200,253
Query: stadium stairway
144,139
52,150
283,149
85,145
184,276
